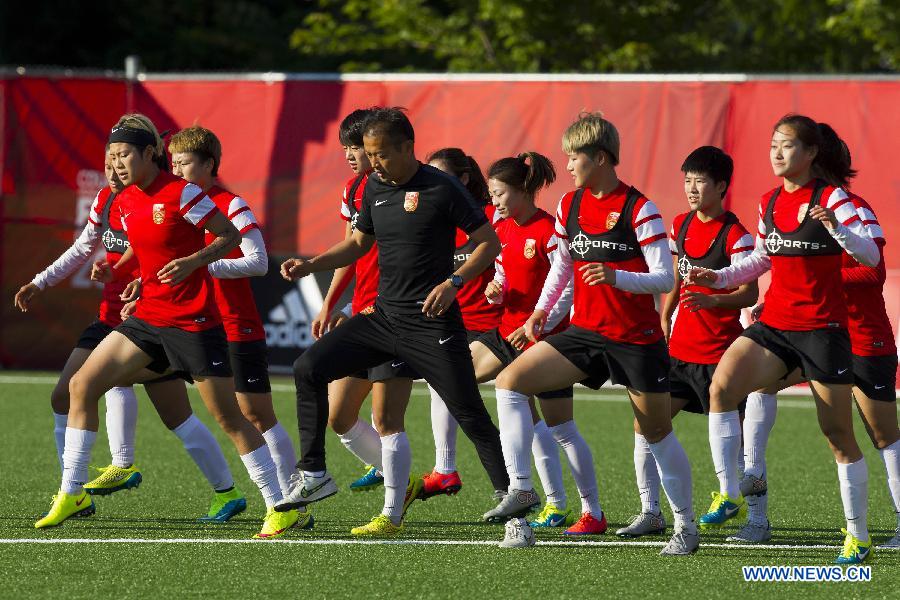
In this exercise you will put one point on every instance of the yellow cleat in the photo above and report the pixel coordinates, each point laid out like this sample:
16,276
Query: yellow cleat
112,479
380,526
277,523
65,506
413,492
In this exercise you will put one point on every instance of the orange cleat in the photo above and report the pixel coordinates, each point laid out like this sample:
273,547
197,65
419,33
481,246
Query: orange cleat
440,483
588,525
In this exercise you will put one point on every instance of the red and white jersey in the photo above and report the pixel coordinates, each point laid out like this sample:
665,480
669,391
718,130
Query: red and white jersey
234,297
105,215
366,289
524,260
478,314
703,336
806,292
870,328
617,314
165,222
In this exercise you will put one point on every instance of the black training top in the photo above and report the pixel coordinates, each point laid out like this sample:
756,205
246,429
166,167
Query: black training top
414,225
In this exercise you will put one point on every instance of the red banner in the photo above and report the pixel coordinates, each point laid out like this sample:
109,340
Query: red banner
281,153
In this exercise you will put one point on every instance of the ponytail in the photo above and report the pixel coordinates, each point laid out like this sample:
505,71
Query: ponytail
459,163
528,171
832,161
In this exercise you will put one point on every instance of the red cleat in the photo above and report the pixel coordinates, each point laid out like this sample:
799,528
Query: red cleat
440,483
588,525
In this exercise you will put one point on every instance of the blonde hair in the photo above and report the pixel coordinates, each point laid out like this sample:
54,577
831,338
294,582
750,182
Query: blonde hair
201,141
143,122
590,134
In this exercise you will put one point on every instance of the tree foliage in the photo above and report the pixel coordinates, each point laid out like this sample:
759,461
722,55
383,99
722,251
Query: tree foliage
574,36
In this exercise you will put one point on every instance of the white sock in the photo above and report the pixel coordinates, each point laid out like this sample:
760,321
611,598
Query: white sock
59,434
364,443
758,508
283,454
675,472
121,422
740,463
203,448
725,444
516,434
445,428
397,459
548,465
647,475
854,481
314,474
581,462
76,458
891,458
261,469
759,418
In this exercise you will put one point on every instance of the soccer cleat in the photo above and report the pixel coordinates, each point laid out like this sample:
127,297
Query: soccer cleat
681,544
722,510
553,517
854,551
224,506
751,485
588,524
371,480
112,479
413,491
379,526
305,490
645,523
752,533
65,506
440,483
894,542
277,523
515,504
518,534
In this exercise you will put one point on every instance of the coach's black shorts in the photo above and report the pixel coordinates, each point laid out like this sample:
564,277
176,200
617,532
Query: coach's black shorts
642,367
820,354
250,363
690,381
876,376
506,354
201,353
92,336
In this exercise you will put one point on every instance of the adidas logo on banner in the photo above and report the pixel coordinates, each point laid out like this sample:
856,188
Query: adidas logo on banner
288,324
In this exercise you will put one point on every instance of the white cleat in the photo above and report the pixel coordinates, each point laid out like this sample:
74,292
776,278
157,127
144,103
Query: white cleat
643,524
893,543
518,534
681,544
752,533
751,485
305,490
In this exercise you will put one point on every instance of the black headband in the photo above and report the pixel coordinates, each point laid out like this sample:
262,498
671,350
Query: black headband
128,135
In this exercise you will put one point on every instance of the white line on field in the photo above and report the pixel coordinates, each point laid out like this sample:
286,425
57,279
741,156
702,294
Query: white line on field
612,394
411,542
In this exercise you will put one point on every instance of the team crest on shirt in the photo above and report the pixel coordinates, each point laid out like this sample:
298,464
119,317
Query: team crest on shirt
159,213
530,248
367,310
801,214
411,201
611,219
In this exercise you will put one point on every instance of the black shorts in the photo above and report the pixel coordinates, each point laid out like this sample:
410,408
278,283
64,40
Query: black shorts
821,354
250,363
92,336
690,381
876,376
642,367
506,354
200,353
392,369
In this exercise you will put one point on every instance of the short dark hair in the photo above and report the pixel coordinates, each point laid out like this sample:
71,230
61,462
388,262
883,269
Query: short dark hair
391,122
351,130
710,161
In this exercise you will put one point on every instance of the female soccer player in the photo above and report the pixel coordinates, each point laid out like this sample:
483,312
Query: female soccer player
707,320
614,245
175,325
805,225
196,155
478,315
168,395
874,365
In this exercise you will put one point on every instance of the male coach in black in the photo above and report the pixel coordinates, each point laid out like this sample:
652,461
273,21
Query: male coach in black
412,211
